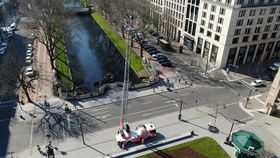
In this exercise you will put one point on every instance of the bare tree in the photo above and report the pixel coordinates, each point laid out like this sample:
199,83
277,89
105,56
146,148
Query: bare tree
16,74
49,18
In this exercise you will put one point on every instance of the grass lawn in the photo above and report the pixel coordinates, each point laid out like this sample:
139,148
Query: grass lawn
62,66
119,42
205,146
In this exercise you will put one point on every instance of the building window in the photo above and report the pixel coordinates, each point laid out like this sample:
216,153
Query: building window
209,33
205,6
212,17
240,2
276,27
222,11
201,30
250,2
218,29
237,32
262,12
228,1
250,21
247,31
273,35
202,22
257,29
220,20
214,53
213,8
255,37
204,14
278,19
252,13
245,39
235,40
239,22
261,1
217,38
267,28
210,25
272,10
269,19
264,36
260,20
241,13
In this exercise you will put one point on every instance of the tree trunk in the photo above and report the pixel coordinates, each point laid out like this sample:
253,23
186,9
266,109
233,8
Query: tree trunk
27,94
131,42
52,62
141,50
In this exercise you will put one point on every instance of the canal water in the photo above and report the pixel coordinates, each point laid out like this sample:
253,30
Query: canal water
91,54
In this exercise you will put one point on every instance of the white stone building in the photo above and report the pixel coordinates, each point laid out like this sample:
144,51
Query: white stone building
228,32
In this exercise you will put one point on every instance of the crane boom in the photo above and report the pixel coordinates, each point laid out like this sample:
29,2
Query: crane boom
124,102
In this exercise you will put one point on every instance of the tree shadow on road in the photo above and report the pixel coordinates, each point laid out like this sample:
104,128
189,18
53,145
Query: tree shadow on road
57,123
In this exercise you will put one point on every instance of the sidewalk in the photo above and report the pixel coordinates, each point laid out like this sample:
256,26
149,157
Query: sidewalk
264,126
102,143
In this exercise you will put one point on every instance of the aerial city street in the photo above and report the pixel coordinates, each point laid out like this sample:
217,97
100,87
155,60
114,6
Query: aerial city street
139,78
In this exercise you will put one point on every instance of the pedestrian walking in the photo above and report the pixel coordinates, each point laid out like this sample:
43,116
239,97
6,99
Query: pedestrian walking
38,148
227,70
179,80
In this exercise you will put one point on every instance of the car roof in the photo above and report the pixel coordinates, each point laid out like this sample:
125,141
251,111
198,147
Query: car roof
29,68
258,80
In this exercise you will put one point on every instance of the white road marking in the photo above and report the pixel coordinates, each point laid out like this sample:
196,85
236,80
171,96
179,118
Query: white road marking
99,109
229,104
144,115
170,101
163,99
68,121
102,112
148,102
63,131
158,111
5,102
260,100
169,105
4,120
245,83
31,136
106,115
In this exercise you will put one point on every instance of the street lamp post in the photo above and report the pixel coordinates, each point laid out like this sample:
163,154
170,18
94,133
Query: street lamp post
248,98
180,111
228,137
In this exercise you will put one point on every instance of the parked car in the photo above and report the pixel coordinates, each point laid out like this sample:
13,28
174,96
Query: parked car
151,48
153,52
256,83
9,34
163,60
13,26
274,66
146,46
166,64
29,47
28,61
3,47
29,52
29,71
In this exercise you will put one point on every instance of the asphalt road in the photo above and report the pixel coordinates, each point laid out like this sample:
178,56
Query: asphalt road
60,125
